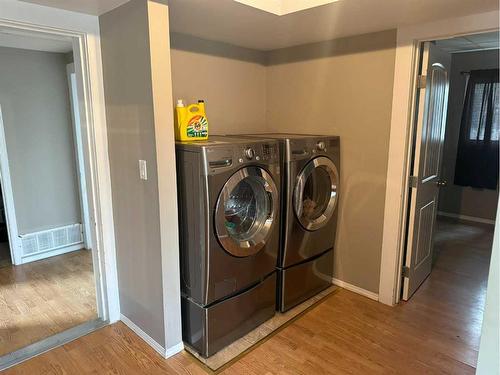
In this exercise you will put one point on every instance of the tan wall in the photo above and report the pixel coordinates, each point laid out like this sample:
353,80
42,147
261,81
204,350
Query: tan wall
454,199
309,89
344,88
230,79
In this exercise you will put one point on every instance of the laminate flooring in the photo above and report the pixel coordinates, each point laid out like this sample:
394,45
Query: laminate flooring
436,332
45,297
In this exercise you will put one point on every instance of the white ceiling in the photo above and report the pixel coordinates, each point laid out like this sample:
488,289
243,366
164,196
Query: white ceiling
475,42
232,22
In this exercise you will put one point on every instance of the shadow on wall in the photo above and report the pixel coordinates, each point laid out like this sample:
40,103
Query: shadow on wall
188,43
372,42
330,48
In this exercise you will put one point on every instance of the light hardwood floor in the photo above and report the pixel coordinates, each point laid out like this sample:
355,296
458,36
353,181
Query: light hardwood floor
437,332
45,297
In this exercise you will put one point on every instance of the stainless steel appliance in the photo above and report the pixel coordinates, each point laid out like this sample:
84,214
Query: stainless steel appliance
229,191
310,181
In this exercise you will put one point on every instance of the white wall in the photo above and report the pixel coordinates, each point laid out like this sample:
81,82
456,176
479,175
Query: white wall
35,106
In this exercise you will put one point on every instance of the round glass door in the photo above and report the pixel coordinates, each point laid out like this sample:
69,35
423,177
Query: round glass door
315,196
246,210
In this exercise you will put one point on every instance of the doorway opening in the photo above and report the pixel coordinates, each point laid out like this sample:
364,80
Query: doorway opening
453,184
50,284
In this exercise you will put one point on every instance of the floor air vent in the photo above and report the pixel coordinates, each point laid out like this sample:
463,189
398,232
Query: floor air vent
52,239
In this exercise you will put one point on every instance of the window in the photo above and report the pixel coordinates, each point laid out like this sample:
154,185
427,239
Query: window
477,155
483,93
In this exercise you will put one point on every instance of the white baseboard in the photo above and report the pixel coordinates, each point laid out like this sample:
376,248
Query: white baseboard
174,350
169,352
51,253
355,289
143,335
467,218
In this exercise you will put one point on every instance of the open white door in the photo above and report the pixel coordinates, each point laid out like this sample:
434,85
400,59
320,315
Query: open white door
432,103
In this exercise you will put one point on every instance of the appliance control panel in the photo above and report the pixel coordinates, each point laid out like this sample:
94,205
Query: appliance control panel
305,149
321,146
260,152
222,158
249,153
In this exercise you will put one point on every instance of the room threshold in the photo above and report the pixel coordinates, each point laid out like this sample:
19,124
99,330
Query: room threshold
50,343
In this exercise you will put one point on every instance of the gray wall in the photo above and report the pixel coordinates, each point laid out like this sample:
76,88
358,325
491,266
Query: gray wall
481,203
34,97
131,136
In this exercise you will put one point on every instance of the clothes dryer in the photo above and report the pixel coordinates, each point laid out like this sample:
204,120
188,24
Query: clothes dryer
310,194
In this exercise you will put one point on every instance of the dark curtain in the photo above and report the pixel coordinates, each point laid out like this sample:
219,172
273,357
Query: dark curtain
477,156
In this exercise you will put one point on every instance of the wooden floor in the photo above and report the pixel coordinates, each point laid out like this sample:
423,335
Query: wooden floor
437,332
45,297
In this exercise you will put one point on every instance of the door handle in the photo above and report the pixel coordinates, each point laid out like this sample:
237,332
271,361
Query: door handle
442,183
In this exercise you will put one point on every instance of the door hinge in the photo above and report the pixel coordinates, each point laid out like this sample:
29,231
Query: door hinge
413,181
421,82
405,271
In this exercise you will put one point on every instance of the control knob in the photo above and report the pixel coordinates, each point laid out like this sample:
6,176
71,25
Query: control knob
249,153
321,146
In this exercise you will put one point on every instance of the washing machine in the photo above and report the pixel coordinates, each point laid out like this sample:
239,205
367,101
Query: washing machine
310,180
229,211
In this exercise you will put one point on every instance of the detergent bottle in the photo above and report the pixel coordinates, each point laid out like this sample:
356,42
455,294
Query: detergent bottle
191,122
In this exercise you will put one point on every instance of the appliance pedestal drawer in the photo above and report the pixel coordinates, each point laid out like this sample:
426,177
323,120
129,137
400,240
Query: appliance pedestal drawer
304,280
209,329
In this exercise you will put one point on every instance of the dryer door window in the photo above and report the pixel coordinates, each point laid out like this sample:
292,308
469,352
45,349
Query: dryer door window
246,211
315,195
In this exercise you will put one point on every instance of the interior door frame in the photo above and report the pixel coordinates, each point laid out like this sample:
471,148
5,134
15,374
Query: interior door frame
83,31
79,156
408,43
